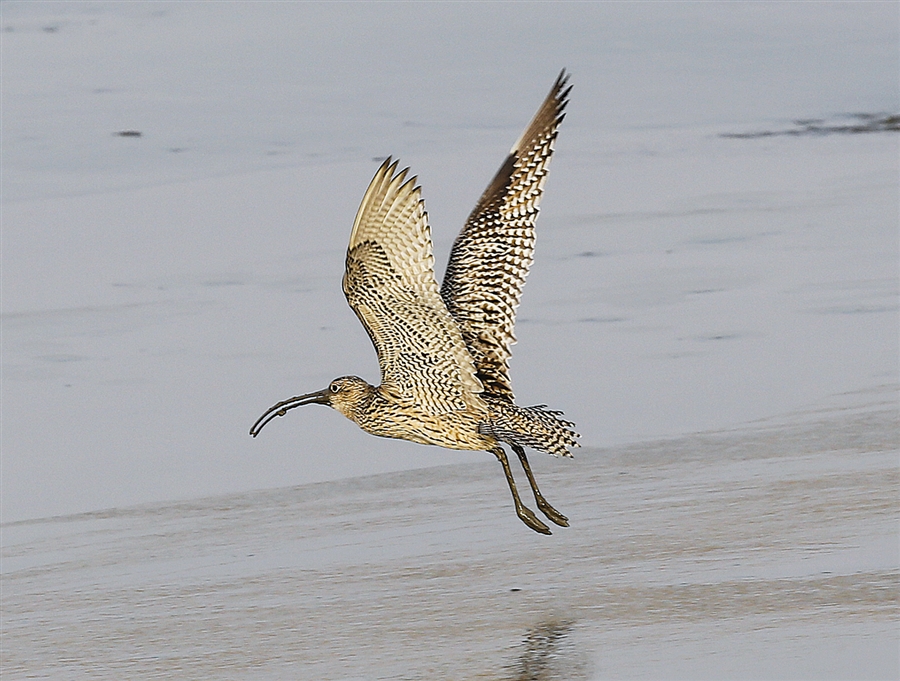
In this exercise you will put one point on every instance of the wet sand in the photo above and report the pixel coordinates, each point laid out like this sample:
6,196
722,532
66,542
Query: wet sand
766,552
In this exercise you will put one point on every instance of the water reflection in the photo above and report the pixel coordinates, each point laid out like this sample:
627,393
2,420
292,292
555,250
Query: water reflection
547,652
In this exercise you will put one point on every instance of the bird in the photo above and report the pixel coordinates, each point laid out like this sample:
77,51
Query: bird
444,351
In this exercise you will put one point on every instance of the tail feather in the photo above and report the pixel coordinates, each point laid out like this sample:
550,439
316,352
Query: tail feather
535,427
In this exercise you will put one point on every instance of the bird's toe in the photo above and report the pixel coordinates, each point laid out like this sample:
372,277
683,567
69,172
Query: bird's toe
527,516
553,514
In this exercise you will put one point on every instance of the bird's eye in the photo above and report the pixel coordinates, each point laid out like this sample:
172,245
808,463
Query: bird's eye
334,387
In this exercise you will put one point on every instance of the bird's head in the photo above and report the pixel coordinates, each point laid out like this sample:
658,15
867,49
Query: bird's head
346,394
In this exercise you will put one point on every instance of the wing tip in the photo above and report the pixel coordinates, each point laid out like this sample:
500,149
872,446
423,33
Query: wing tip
386,185
552,110
396,180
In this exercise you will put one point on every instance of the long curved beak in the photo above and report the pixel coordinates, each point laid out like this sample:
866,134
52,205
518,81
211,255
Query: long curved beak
280,409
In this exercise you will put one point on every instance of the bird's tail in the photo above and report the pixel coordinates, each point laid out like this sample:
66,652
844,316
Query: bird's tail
536,427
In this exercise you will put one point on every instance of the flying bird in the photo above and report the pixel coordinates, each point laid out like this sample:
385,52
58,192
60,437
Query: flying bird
444,352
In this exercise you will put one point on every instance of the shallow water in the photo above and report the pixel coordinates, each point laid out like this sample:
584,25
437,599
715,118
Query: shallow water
769,552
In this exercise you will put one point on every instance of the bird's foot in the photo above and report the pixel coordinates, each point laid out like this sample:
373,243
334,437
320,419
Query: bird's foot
527,516
551,512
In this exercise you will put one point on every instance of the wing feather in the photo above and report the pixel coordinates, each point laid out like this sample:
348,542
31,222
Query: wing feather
389,283
494,251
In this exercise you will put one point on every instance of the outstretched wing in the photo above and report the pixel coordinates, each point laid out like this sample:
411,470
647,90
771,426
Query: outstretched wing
494,251
389,282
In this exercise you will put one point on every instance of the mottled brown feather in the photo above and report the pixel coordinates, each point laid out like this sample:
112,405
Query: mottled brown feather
389,283
491,256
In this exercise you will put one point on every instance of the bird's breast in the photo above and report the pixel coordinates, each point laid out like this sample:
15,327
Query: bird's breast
453,430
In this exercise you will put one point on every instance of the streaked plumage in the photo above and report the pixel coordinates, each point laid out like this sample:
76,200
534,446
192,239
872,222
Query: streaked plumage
444,353
494,251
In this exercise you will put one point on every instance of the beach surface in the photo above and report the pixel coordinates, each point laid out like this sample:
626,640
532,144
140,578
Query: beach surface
767,552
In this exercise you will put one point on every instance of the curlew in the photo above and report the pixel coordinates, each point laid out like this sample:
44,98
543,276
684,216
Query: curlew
444,352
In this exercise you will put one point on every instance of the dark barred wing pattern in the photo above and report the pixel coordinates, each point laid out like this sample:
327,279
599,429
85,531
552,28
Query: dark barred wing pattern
389,283
495,249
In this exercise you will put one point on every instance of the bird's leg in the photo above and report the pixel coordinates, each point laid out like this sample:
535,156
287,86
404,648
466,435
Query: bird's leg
542,504
526,515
